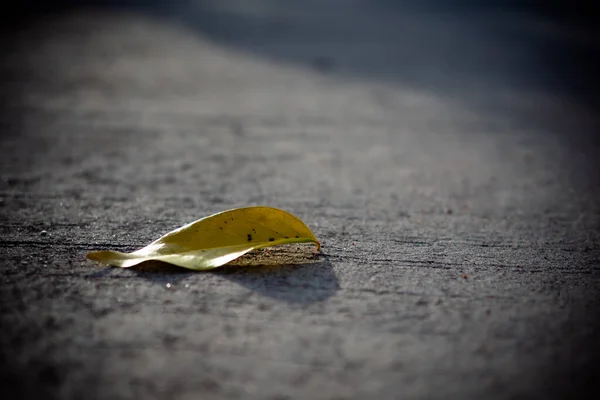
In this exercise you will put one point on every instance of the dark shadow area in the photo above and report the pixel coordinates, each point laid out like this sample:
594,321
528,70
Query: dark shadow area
460,48
301,284
304,282
13,383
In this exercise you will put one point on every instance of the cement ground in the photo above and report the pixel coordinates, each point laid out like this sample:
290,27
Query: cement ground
447,161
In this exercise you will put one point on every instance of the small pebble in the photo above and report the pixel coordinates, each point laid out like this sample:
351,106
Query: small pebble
43,233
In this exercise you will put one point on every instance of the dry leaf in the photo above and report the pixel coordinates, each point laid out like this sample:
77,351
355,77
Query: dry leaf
216,240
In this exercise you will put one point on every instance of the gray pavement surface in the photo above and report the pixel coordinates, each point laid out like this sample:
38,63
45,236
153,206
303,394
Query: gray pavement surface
447,161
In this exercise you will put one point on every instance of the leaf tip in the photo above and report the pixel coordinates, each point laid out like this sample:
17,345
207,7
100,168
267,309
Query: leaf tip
93,255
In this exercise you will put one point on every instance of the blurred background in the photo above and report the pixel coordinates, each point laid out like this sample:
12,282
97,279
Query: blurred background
453,45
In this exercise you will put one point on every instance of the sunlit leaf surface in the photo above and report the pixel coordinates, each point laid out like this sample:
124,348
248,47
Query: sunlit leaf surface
216,240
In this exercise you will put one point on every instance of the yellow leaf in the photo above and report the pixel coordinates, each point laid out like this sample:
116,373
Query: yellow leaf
216,240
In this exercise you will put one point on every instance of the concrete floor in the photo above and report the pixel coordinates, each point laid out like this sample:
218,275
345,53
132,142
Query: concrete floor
446,160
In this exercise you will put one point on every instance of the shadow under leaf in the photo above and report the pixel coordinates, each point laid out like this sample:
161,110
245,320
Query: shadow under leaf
161,273
287,273
148,269
304,283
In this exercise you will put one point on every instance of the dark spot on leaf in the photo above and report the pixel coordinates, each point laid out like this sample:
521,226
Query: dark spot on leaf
225,221
287,237
297,236
271,239
249,237
221,228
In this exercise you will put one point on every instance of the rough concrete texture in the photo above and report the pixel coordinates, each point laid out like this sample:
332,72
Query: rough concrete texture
446,161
